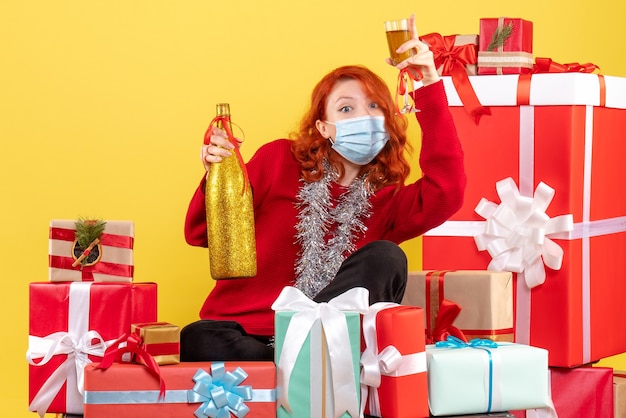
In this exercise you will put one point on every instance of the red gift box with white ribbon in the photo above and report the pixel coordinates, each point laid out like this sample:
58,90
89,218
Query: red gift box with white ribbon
393,363
111,260
71,325
545,172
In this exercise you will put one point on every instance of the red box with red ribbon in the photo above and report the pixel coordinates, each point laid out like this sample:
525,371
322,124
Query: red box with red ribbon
71,324
505,46
110,260
466,304
394,362
563,131
208,389
580,392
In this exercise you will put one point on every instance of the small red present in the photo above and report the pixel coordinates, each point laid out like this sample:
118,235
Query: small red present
72,324
580,392
393,372
505,46
107,259
127,390
161,340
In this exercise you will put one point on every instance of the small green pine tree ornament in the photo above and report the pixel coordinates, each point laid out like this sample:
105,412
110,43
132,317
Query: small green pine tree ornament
88,233
500,36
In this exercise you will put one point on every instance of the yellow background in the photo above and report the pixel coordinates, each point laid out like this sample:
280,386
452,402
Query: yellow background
103,106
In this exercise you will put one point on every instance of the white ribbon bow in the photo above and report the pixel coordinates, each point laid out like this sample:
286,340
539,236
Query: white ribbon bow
335,328
77,350
517,232
389,362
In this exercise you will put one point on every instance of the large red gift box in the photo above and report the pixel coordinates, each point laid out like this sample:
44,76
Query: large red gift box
111,260
393,364
71,324
130,390
505,46
565,131
579,392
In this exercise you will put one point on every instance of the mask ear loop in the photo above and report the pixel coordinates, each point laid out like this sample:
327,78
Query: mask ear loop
406,78
226,122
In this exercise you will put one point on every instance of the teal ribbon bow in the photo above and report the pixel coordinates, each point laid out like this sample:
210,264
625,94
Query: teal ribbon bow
454,342
479,343
220,393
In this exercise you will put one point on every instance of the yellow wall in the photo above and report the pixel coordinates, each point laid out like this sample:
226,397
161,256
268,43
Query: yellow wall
103,105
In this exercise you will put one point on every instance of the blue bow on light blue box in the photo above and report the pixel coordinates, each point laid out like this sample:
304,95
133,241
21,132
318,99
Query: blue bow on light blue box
483,376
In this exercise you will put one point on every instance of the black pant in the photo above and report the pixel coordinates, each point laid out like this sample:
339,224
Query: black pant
380,267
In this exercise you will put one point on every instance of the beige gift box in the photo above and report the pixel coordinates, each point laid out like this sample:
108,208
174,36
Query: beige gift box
485,298
111,260
619,393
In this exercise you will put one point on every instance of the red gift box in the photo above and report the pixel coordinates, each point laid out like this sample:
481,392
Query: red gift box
533,136
505,46
130,390
112,256
580,392
71,324
393,377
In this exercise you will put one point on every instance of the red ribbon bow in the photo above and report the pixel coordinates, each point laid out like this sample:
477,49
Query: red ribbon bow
452,61
134,346
448,311
546,65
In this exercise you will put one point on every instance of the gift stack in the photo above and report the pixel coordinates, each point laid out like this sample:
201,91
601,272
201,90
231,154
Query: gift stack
543,155
345,358
88,302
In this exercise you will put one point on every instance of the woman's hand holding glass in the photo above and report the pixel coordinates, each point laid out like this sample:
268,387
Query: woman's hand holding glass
423,59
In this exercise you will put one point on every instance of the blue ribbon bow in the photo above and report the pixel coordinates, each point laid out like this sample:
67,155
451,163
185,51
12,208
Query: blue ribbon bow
479,343
220,393
454,342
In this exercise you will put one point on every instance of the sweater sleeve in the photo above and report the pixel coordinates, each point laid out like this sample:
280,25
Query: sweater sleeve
438,194
195,220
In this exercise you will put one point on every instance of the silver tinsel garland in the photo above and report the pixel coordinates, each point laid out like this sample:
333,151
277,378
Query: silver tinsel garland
321,258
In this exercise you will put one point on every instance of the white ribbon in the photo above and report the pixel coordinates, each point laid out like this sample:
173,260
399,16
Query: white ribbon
389,362
335,327
517,232
77,343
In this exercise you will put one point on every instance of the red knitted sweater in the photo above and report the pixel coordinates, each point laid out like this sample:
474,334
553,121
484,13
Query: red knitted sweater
275,179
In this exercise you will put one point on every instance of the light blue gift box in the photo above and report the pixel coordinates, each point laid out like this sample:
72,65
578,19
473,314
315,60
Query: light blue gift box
480,379
310,389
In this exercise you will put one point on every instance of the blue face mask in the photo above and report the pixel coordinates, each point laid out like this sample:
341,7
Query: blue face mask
360,139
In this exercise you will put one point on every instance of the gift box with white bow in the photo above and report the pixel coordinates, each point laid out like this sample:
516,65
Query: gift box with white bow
544,172
317,354
393,362
192,389
485,376
71,325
